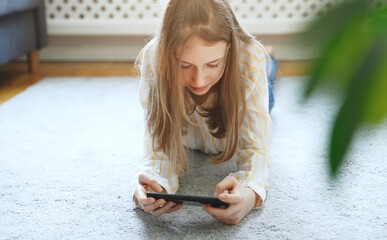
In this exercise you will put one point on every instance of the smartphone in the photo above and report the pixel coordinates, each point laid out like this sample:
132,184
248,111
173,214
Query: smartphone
189,200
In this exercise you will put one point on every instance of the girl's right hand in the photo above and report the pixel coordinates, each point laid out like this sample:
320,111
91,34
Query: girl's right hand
150,205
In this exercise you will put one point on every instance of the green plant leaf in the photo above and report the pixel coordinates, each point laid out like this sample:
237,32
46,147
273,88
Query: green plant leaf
342,134
350,113
353,60
340,56
375,104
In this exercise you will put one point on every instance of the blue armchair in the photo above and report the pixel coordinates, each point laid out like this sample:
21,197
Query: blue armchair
22,31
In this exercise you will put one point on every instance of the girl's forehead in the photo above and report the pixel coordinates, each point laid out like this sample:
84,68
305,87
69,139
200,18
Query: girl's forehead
196,47
197,40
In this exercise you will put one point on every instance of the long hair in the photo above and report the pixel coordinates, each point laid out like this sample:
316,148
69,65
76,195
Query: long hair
169,102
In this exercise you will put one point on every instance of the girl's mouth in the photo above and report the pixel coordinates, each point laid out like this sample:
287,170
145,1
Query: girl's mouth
200,89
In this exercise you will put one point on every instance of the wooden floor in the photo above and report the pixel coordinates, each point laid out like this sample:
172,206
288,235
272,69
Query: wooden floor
14,77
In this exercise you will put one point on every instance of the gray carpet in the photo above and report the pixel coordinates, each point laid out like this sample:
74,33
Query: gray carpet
69,147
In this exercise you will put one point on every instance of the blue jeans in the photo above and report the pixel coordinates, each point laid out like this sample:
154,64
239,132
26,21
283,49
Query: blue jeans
271,70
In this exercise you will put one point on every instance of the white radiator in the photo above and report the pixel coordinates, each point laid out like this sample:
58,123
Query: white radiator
142,17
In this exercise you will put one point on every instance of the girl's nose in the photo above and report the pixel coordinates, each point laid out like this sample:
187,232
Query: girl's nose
199,79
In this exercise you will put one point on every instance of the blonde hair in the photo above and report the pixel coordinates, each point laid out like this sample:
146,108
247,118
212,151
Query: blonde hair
169,102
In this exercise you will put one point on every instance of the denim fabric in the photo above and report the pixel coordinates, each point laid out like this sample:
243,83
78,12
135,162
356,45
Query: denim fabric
271,70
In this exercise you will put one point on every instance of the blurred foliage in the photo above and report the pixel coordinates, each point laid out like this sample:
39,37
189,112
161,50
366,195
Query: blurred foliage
352,39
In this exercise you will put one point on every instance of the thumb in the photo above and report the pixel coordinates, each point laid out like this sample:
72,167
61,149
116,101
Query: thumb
152,185
229,183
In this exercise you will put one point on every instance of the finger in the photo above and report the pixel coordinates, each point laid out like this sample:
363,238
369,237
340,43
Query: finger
147,202
159,211
141,196
151,207
175,208
230,221
216,212
153,184
229,183
230,198
140,193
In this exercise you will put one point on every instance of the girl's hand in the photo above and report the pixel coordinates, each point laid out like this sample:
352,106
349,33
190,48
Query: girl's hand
242,200
150,205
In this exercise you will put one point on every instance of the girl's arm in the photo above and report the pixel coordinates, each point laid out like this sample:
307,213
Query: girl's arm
154,164
154,173
253,153
247,187
257,128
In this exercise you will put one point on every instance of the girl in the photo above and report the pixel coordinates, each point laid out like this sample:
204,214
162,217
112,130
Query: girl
204,86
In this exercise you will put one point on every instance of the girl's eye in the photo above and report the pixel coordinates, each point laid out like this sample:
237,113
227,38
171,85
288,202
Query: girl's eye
213,66
185,66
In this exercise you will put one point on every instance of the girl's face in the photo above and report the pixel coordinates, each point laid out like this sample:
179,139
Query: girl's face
202,64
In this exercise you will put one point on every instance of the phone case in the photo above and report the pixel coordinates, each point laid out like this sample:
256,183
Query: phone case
189,200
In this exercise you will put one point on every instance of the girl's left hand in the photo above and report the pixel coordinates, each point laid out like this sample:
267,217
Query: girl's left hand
242,200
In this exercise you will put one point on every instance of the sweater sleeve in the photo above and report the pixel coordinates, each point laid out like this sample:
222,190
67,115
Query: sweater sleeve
256,130
154,164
